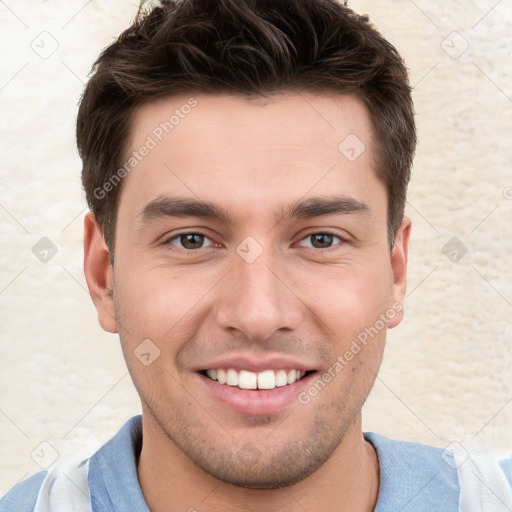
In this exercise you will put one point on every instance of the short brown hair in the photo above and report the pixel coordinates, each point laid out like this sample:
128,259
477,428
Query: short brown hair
243,47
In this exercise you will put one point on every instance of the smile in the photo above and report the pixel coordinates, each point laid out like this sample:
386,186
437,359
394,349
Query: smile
244,379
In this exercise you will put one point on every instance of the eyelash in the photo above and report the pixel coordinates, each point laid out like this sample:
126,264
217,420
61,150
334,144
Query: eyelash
169,241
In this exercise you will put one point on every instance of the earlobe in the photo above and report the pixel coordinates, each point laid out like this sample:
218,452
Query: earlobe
99,273
399,258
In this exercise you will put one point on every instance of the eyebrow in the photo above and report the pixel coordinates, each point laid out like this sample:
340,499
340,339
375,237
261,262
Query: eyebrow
330,205
168,206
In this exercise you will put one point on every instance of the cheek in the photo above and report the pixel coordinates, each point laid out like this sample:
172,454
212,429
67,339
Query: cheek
161,303
348,299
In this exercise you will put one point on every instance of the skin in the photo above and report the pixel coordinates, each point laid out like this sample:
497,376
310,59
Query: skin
254,158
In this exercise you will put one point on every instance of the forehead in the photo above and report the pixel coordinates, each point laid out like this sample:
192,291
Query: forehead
202,116
251,153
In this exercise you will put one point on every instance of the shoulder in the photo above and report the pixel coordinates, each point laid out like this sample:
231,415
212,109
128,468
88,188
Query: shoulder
415,456
415,477
75,483
420,478
50,490
22,497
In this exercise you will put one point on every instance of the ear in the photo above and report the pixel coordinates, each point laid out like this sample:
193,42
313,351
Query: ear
99,273
399,257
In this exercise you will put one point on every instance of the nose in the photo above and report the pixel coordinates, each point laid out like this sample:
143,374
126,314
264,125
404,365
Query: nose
257,300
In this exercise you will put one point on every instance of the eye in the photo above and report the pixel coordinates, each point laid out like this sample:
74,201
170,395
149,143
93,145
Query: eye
190,241
320,240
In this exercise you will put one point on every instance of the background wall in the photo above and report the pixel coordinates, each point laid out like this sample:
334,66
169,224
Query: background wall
446,377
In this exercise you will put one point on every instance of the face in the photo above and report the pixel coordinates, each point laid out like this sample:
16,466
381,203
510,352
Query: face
251,246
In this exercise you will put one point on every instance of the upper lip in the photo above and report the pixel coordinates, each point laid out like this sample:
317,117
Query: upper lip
255,363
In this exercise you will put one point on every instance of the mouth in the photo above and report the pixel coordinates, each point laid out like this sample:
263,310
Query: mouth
246,379
256,393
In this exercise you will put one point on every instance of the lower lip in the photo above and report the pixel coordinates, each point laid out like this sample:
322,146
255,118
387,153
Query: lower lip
256,402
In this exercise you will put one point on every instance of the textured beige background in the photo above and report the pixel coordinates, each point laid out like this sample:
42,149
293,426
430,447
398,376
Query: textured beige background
447,372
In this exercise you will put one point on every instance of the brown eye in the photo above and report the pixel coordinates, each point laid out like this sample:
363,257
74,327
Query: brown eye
190,241
320,240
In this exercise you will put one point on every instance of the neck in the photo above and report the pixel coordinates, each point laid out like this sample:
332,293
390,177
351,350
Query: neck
348,481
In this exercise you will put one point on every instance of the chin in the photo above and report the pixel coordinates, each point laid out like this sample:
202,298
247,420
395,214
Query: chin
266,477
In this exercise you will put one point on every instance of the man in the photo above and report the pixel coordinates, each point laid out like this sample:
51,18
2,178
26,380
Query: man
246,165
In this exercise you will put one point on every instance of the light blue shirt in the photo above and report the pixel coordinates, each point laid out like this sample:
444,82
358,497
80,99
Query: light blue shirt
413,478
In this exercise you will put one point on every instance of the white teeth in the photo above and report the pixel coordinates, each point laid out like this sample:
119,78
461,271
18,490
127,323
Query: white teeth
221,376
247,380
231,377
281,378
267,379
